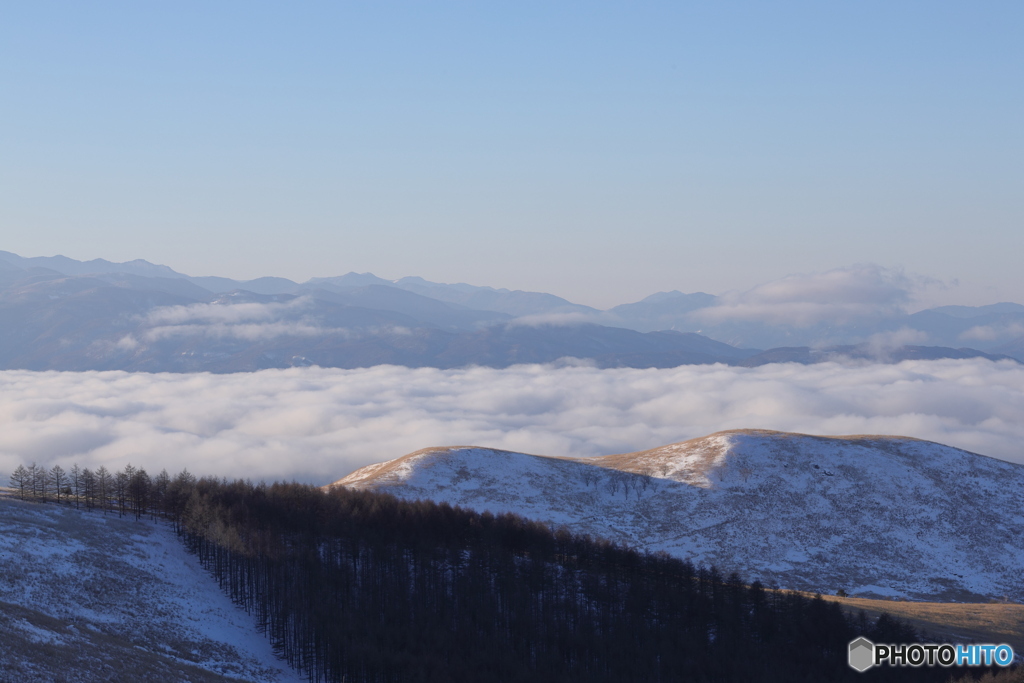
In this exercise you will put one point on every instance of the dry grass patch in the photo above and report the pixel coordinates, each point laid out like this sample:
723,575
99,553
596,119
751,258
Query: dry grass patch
951,621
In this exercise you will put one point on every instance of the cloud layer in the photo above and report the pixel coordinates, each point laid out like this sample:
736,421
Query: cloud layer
316,424
841,296
249,321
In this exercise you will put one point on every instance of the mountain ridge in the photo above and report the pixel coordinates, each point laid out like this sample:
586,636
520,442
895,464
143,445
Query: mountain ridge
875,515
360,320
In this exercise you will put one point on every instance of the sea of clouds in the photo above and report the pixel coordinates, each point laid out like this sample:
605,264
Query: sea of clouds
316,424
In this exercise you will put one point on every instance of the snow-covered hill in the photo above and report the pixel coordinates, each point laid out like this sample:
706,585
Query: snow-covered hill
87,597
874,515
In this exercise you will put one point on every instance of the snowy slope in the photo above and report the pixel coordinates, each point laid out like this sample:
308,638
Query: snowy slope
88,597
874,515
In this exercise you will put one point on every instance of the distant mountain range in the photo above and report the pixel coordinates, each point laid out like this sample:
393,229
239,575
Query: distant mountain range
59,313
876,516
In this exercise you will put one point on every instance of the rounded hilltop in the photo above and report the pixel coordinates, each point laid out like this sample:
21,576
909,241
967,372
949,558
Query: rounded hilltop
875,515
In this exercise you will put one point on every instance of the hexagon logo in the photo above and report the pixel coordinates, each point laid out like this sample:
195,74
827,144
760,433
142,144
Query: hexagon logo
862,654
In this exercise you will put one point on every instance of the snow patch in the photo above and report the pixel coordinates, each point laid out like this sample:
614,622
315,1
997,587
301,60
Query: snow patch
131,581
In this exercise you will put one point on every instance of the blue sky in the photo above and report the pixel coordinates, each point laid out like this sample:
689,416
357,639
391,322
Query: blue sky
600,151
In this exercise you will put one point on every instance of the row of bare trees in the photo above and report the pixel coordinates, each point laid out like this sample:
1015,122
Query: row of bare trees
130,491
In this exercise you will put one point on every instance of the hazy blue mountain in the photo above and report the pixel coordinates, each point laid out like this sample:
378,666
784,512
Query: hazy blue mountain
506,302
347,281
989,328
67,266
420,308
68,323
512,303
661,311
504,345
806,355
183,287
997,329
10,273
261,285
58,313
975,311
516,303
124,321
86,323
1014,349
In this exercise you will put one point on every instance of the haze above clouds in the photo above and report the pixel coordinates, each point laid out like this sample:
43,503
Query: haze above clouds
318,424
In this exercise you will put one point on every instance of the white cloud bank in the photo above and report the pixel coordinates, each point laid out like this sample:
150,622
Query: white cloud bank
248,320
842,296
318,424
